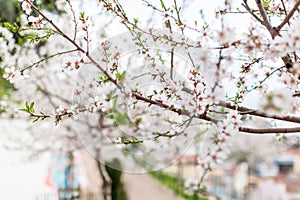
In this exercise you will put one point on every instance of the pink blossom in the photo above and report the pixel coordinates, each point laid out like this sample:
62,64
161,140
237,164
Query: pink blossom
96,101
61,110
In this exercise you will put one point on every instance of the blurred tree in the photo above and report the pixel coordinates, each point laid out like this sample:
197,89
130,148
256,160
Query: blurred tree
118,191
8,10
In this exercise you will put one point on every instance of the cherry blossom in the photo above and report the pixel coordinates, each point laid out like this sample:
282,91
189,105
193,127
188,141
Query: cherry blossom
36,21
96,101
157,86
11,74
192,185
26,6
279,101
62,110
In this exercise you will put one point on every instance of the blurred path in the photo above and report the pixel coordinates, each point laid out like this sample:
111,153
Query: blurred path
142,186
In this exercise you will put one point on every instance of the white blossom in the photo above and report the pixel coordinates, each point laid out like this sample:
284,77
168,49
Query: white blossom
36,21
278,101
11,74
27,7
192,184
96,101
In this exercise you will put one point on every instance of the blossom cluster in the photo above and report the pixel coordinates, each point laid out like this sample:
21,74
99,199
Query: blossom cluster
279,101
219,148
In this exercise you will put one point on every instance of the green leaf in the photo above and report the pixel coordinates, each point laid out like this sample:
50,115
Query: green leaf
138,121
266,3
110,116
11,27
162,4
121,118
8,25
82,15
31,108
205,26
280,137
35,120
24,110
103,78
115,100
120,76
27,105
57,121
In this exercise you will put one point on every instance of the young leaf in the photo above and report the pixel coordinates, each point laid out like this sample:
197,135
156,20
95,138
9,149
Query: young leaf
31,108
24,110
121,118
120,76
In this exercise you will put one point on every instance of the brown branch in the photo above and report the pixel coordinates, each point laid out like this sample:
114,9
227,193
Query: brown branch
168,25
297,94
269,130
274,31
259,113
75,44
55,26
284,8
246,6
166,135
162,105
289,16
172,64
74,19
263,13
106,184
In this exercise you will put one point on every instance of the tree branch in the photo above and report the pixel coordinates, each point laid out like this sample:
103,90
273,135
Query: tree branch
75,44
263,13
259,113
245,4
46,58
289,16
269,130
274,31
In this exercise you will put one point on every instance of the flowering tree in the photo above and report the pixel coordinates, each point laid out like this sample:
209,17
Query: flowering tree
180,71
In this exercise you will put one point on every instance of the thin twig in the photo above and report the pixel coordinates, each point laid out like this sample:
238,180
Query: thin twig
110,78
46,58
246,6
74,19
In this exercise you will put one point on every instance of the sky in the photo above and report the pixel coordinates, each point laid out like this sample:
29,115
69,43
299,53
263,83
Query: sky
20,179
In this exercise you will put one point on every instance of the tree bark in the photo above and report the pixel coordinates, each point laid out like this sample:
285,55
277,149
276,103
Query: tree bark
106,184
